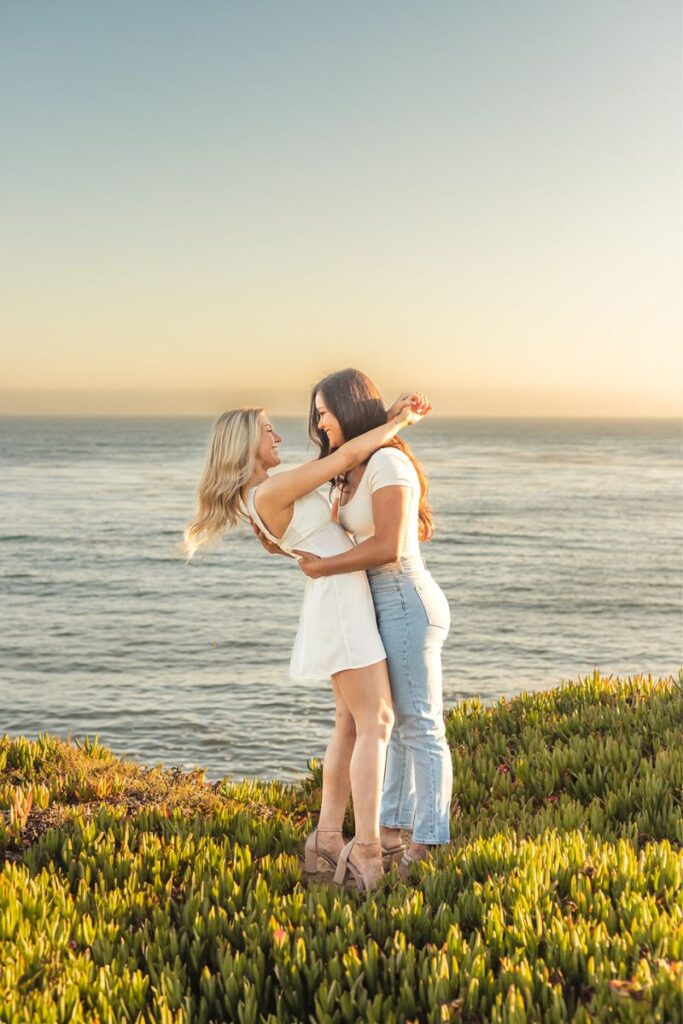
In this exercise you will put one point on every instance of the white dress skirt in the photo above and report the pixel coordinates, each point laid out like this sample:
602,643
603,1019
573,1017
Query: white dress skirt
337,627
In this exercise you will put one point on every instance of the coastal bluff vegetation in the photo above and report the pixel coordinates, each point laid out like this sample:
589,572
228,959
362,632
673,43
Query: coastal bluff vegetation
131,893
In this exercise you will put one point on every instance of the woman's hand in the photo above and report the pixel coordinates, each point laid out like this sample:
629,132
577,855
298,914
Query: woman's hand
312,565
272,549
414,399
412,412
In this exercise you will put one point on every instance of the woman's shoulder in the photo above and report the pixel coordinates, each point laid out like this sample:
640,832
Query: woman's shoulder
388,456
390,466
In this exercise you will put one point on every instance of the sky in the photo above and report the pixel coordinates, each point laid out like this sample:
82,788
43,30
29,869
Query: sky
215,204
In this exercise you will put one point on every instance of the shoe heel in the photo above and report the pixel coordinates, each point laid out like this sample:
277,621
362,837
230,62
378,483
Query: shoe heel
311,855
311,862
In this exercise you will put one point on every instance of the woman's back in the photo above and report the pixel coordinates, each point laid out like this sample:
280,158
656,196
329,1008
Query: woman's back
311,527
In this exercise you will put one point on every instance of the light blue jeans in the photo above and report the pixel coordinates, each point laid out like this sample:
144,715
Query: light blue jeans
414,618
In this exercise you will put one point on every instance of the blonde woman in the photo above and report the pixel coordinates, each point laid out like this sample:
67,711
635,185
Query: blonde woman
337,635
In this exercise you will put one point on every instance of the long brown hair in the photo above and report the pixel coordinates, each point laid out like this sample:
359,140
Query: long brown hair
358,406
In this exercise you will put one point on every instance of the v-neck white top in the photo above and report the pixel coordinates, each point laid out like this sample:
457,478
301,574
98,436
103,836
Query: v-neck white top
387,467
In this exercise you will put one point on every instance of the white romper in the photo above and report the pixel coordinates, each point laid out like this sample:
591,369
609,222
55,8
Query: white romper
337,627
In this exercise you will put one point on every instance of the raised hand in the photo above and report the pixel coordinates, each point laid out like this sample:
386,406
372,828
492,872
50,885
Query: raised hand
416,400
411,408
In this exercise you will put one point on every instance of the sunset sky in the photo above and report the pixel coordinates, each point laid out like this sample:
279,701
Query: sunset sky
216,203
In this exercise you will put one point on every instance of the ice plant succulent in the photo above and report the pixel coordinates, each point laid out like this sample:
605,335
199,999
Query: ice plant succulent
173,900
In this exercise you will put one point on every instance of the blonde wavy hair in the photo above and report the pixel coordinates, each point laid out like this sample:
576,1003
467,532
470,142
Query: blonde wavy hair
230,462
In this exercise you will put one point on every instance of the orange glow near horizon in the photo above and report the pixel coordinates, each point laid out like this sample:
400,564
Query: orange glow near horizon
487,209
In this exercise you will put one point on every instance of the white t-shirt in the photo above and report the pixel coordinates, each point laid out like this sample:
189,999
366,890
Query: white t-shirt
387,467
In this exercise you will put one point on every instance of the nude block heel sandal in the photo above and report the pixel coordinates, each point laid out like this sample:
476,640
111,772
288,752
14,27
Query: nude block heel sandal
406,863
312,853
344,865
392,854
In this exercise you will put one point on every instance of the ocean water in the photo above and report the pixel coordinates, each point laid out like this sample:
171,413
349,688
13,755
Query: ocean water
558,545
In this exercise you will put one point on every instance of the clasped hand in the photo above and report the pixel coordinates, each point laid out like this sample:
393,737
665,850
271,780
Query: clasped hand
308,563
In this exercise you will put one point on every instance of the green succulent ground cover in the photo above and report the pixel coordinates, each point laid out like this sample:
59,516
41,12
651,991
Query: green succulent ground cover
139,894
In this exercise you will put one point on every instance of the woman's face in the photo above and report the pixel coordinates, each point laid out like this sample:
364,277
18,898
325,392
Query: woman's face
328,422
267,453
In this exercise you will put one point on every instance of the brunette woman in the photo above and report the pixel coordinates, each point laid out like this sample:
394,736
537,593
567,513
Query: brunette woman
382,502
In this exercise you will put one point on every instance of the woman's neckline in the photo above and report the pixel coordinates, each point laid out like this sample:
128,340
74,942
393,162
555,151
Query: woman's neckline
362,478
364,474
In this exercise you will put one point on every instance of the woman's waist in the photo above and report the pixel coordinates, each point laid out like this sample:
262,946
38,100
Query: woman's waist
406,565
322,541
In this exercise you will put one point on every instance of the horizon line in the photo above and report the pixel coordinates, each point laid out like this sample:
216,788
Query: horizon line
464,403
668,418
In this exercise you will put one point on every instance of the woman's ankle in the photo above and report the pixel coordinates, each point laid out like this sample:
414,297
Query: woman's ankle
366,854
367,845
387,832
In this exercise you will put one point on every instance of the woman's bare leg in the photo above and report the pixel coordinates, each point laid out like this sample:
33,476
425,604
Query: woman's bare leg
336,775
367,694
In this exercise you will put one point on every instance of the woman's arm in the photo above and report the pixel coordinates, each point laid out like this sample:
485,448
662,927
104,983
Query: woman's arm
282,489
390,508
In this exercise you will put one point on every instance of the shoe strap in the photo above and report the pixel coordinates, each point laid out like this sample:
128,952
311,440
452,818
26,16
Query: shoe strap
367,842
328,829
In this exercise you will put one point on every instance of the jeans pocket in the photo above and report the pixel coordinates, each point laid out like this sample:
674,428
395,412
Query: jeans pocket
435,604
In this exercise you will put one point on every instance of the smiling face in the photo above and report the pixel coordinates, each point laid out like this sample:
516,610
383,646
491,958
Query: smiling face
267,454
328,423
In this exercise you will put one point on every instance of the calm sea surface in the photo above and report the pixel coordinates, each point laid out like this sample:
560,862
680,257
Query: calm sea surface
558,544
